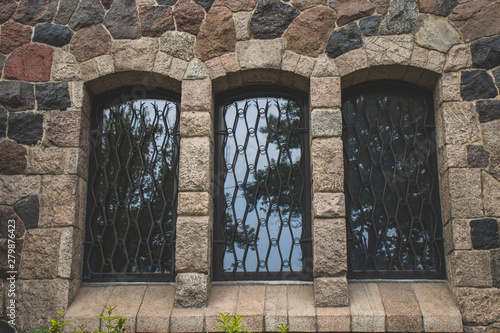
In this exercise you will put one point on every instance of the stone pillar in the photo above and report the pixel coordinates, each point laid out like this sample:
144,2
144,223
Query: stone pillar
193,258
329,226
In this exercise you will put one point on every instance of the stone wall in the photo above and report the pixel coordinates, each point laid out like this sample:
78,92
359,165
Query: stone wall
55,55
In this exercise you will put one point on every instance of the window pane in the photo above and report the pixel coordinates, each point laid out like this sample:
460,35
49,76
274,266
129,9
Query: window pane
132,191
394,216
264,186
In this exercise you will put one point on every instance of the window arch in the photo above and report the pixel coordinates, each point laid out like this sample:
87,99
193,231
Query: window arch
132,186
394,226
262,195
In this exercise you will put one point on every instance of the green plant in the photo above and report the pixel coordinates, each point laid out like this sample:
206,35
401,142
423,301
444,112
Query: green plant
282,328
42,329
115,324
230,324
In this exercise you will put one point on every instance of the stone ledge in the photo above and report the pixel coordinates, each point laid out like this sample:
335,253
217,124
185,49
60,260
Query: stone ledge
264,305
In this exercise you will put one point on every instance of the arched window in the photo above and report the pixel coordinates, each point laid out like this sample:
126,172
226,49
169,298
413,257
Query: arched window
391,182
132,187
262,195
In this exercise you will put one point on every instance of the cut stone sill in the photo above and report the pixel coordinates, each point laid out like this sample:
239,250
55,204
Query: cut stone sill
381,306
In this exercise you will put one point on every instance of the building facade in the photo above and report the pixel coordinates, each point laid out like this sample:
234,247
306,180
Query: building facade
330,164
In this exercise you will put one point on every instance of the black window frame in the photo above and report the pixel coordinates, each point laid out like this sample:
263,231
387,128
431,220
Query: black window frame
221,100
439,273
99,103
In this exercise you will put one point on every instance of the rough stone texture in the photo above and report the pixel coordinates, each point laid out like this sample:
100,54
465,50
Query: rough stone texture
194,203
52,34
17,96
495,72
65,67
7,213
65,11
324,67
122,21
32,12
437,7
326,123
28,211
155,20
495,268
162,2
30,62
3,122
197,96
486,52
217,34
401,308
194,123
275,307
388,50
58,201
331,292
477,156
241,21
8,8
25,128
477,84
327,163
472,268
460,123
207,4
333,319
490,132
470,18
465,191
329,205
88,13
494,169
65,129
259,53
90,42
191,290
52,96
178,68
330,249
46,161
351,10
154,313
369,25
476,304
271,18
196,70
435,33
303,318
40,254
484,234
12,158
325,92
491,192
308,33
459,57
134,54
250,305
188,16
178,44
13,36
458,233
344,40
400,17
238,6
195,164
15,188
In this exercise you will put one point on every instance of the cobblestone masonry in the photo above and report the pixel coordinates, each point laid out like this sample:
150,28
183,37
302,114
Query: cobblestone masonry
55,55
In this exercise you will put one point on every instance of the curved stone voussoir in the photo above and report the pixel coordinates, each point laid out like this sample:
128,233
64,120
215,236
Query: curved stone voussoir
134,55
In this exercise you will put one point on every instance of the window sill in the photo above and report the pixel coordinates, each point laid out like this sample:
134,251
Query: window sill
374,307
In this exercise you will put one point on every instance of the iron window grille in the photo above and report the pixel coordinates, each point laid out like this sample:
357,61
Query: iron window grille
262,193
394,227
132,187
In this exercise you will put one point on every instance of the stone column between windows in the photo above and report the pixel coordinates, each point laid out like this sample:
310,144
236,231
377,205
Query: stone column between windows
329,226
193,254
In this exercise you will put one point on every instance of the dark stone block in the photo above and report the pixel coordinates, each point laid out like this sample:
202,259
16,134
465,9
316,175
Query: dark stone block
13,158
17,96
205,3
32,12
2,61
484,234
488,110
5,327
477,84
53,34
369,25
25,128
437,7
52,96
65,11
88,12
477,157
7,213
400,18
28,211
8,8
107,4
271,18
166,2
3,122
486,52
155,20
495,267
496,75
122,20
344,40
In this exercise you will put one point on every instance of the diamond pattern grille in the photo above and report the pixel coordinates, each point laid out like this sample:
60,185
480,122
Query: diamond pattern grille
262,229
392,194
131,205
